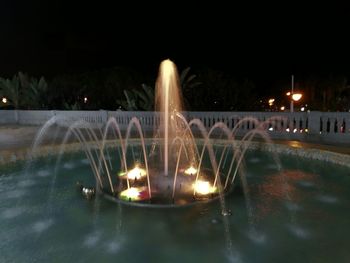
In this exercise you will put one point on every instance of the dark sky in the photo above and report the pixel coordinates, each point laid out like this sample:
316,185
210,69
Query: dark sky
258,41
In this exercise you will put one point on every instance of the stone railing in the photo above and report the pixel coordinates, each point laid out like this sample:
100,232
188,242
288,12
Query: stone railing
322,127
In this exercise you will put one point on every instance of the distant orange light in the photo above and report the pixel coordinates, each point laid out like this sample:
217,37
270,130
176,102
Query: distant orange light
296,96
288,93
4,100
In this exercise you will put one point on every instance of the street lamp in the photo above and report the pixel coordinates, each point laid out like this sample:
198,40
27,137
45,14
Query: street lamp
294,96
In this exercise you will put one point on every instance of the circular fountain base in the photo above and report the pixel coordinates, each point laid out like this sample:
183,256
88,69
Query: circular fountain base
162,194
159,202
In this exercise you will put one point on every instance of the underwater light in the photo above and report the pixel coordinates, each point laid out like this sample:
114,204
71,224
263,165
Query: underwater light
191,170
135,173
132,194
203,187
135,194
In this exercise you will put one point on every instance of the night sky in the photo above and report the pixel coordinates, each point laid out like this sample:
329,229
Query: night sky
263,42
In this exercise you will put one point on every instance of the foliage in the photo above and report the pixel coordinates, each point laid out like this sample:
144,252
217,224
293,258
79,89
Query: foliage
143,99
101,87
137,99
188,84
202,89
10,89
343,101
220,91
325,93
75,106
24,92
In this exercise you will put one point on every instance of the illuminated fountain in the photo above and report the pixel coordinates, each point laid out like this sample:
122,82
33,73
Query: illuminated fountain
181,163
171,168
169,173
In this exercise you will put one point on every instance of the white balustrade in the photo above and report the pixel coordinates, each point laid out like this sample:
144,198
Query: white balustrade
322,127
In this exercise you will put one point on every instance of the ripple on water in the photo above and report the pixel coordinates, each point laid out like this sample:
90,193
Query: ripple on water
254,160
272,166
92,239
68,166
26,183
17,193
43,173
108,158
299,232
85,161
11,212
292,206
327,199
256,237
250,175
233,256
306,184
42,225
113,246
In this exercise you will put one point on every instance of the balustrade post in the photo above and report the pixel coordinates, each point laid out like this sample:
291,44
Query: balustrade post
314,118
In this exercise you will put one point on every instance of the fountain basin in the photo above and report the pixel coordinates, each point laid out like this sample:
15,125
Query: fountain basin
70,228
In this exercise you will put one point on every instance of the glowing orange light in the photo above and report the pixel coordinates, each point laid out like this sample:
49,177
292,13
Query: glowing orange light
131,193
136,173
191,170
296,96
203,187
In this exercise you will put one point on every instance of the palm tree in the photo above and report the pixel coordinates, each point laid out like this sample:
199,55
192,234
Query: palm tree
129,103
24,92
137,99
33,92
188,84
10,89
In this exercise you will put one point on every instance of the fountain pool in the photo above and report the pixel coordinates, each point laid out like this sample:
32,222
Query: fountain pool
45,220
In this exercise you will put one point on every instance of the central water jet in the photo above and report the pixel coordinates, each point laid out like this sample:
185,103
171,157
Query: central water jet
168,103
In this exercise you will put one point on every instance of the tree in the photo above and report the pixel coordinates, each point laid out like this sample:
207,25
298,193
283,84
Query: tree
24,92
33,92
221,91
325,93
188,84
10,89
137,99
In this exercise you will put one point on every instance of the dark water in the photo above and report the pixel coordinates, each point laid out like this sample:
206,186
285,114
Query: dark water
44,218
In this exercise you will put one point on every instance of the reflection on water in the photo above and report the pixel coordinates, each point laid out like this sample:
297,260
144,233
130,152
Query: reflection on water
72,229
276,188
